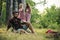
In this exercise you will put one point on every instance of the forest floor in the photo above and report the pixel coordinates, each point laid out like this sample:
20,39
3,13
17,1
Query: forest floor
39,35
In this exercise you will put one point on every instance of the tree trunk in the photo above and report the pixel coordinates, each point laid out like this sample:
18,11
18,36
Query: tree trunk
0,11
0,7
7,9
15,5
19,1
11,9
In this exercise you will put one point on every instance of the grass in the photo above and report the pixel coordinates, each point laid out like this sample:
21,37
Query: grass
40,35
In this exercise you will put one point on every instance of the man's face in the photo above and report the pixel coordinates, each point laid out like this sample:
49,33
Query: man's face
16,15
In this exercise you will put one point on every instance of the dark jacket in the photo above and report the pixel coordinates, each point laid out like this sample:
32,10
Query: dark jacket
15,23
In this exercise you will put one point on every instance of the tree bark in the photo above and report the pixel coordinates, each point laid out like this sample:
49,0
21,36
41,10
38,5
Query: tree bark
15,5
0,7
19,1
7,9
11,9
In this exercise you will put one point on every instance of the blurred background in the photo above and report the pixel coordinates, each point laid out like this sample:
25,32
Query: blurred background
45,15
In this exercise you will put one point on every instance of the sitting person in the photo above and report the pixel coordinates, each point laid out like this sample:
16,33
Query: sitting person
17,23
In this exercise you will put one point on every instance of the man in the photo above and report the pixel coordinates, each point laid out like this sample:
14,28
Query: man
17,23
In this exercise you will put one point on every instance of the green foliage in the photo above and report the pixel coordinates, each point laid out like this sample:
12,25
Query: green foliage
30,2
51,19
3,16
34,13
